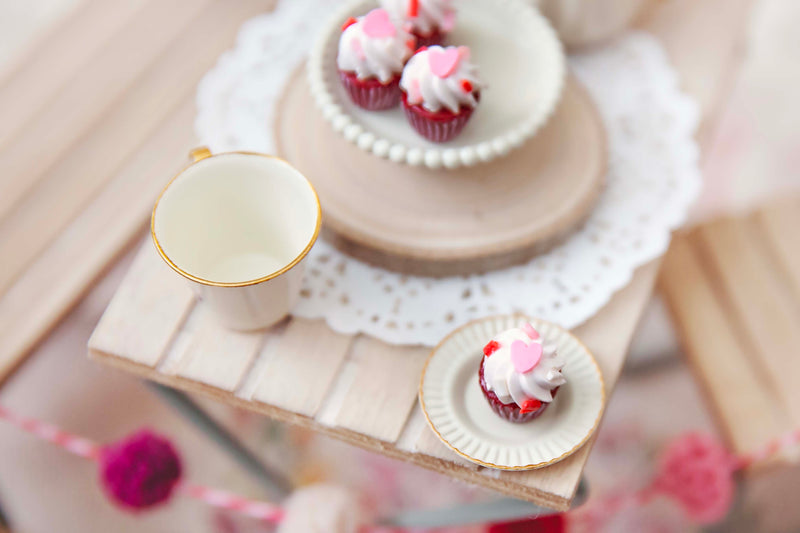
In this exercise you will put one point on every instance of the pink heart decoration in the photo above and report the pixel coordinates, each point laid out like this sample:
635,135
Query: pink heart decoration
443,62
525,357
377,24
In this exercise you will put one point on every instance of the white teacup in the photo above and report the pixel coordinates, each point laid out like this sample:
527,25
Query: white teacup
238,225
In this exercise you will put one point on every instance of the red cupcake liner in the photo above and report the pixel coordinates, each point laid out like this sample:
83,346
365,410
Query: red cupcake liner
371,94
438,127
435,37
509,411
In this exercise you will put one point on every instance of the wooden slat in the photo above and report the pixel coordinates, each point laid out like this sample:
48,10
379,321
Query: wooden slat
383,390
747,408
781,223
213,355
764,310
68,187
369,403
65,49
149,288
90,93
302,366
58,277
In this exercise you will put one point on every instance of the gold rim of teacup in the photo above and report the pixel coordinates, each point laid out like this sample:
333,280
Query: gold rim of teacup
198,155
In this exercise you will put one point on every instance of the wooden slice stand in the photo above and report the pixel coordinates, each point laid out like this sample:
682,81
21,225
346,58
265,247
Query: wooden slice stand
449,222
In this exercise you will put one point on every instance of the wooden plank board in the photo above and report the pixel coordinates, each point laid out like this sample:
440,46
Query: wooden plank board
91,92
747,409
762,309
44,71
308,352
371,400
79,248
384,389
77,256
780,223
64,190
164,304
213,355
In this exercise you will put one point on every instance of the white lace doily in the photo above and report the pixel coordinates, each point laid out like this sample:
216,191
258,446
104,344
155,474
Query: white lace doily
653,177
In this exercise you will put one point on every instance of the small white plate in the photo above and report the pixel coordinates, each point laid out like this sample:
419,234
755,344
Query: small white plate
459,414
519,57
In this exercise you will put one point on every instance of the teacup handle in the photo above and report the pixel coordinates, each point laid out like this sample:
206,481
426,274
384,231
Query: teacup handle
200,153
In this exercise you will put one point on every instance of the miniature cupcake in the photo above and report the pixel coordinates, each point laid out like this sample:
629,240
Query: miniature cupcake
440,91
428,20
520,374
372,52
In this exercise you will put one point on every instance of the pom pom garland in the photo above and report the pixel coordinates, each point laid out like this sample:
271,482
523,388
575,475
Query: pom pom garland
144,470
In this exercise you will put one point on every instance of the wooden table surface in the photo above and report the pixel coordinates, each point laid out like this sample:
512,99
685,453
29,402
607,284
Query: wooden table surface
99,116
354,387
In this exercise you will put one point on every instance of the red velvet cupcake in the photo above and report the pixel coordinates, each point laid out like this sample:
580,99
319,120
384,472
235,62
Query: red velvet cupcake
519,374
441,89
372,53
428,20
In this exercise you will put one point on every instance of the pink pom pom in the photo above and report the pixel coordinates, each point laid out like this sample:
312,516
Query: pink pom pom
697,471
140,471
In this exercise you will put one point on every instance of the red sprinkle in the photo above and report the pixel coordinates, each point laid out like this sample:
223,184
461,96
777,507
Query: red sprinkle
466,86
411,43
349,22
413,8
529,406
490,348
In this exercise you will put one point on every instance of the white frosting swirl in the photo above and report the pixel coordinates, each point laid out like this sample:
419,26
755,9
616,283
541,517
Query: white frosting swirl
433,92
373,57
432,15
510,385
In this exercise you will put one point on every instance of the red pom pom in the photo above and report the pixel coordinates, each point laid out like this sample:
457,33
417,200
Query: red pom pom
413,8
466,86
349,22
140,471
697,471
411,44
490,348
